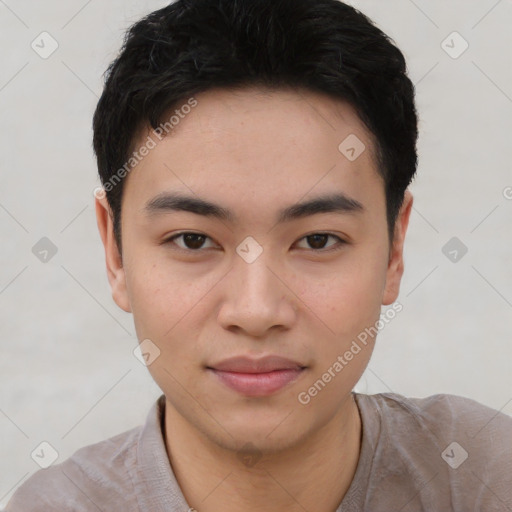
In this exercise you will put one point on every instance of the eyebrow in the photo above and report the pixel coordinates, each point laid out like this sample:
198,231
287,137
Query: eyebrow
169,202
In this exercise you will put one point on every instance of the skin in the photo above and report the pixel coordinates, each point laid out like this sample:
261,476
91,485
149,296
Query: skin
256,152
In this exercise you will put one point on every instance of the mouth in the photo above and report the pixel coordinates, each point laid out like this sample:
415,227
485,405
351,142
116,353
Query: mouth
257,377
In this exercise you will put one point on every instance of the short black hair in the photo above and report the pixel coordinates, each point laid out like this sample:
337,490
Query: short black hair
192,46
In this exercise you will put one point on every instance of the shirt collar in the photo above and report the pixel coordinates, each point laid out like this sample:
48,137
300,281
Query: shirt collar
155,483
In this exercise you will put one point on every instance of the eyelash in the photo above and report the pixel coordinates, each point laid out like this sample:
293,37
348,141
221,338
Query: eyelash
335,247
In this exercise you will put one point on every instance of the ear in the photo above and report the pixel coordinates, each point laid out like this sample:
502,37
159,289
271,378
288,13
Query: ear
115,271
396,261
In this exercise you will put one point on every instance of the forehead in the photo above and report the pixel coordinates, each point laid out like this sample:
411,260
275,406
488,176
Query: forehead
293,112
259,143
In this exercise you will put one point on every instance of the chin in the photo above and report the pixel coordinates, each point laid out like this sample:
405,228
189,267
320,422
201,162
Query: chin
268,434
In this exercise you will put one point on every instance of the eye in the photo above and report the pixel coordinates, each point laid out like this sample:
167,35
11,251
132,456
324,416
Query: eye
191,241
317,242
194,242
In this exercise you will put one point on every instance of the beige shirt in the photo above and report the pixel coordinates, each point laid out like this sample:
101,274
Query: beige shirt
437,454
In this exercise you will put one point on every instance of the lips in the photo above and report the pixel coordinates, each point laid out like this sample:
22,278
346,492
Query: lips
257,377
262,365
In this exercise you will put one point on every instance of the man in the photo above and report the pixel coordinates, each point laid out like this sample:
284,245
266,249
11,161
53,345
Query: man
255,157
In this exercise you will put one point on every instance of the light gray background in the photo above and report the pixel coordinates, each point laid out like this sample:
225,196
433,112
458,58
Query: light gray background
68,374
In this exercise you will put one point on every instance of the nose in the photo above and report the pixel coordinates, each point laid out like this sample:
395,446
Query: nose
257,298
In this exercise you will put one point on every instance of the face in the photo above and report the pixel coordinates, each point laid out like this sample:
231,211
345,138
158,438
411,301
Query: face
290,259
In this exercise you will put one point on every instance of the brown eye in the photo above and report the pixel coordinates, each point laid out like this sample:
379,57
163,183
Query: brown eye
190,241
318,241
193,241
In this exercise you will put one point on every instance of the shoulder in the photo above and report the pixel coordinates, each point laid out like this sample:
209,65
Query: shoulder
465,444
445,413
94,474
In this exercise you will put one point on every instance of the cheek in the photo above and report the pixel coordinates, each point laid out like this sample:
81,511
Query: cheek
156,298
349,298
162,309
349,304
165,299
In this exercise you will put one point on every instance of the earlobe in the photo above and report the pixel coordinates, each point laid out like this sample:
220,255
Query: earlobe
115,270
396,261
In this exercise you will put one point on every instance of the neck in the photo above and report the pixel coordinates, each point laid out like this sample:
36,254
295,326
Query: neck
314,474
